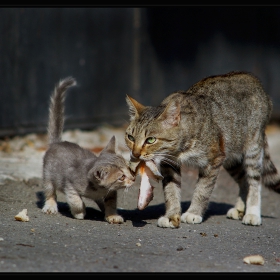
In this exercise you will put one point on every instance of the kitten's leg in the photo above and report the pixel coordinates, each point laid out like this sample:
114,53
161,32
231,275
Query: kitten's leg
172,195
238,173
75,202
110,208
253,165
50,206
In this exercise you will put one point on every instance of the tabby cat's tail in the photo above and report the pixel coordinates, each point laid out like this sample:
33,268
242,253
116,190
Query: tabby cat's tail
56,109
271,178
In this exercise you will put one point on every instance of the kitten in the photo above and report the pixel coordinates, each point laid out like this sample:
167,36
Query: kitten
77,172
219,121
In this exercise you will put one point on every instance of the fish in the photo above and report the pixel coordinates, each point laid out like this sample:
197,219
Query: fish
147,170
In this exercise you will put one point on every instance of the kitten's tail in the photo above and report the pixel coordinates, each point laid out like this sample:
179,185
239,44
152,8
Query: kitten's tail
271,178
56,109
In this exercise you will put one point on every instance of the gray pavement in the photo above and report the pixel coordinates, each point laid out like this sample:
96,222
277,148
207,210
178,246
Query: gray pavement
62,244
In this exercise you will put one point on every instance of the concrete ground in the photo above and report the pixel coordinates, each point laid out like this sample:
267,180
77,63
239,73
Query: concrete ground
62,244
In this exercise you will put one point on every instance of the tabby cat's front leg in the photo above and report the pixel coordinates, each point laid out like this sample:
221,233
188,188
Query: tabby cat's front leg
203,190
172,195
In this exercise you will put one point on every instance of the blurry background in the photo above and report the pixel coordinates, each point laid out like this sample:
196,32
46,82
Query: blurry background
144,52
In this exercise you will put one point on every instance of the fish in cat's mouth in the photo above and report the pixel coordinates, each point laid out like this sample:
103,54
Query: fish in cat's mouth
134,166
147,170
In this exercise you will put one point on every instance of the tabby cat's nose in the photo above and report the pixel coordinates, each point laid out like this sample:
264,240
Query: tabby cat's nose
135,155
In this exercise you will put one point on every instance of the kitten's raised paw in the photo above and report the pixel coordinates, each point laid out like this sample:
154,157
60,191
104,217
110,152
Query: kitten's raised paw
191,218
235,214
114,219
171,222
50,208
251,219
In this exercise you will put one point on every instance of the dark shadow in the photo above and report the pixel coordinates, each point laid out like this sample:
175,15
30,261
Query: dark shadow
217,209
140,218
40,199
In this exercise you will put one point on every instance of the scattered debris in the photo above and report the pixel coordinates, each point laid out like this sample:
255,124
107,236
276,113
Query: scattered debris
22,216
254,259
180,248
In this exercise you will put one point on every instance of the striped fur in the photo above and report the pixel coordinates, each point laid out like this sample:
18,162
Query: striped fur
219,121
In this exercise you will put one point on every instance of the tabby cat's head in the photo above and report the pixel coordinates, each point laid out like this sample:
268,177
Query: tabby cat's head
153,131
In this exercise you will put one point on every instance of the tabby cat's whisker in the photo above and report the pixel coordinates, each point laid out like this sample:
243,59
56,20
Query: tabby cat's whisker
165,161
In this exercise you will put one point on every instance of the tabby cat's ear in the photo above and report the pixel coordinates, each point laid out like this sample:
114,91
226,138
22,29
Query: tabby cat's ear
171,116
135,108
111,146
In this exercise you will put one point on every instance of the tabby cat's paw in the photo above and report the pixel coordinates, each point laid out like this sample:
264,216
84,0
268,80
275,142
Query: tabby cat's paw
114,219
235,214
50,208
191,218
79,216
251,219
171,222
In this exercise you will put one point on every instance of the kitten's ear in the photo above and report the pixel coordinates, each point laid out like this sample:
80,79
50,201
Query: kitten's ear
135,108
111,146
171,115
99,173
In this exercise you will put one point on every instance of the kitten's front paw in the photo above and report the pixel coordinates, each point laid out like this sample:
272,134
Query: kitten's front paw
50,207
251,219
235,214
171,222
114,219
191,218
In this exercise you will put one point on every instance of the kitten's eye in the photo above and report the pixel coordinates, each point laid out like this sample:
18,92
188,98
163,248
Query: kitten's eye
130,137
150,140
122,178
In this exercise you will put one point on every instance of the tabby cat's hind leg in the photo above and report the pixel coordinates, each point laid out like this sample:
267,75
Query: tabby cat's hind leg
237,171
253,164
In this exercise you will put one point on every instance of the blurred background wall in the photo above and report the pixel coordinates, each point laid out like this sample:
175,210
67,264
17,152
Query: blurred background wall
113,51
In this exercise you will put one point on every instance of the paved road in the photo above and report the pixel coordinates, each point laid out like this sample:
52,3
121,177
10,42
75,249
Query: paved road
62,244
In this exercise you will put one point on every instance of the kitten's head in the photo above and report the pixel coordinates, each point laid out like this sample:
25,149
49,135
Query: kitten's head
111,169
153,131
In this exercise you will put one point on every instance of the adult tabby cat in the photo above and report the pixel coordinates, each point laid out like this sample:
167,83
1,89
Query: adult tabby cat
219,121
77,172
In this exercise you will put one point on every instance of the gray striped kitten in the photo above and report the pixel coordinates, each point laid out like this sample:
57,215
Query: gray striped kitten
77,172
219,121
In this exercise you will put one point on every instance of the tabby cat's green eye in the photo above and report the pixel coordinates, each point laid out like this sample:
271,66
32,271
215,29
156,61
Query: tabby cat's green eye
130,137
150,140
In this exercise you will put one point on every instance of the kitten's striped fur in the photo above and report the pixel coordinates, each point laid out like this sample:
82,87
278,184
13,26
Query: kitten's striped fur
219,121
